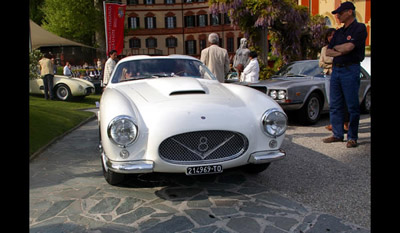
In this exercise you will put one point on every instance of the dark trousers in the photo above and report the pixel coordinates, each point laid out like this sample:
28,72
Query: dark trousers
48,86
345,84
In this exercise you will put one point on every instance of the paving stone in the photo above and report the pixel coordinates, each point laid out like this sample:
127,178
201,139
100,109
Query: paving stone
134,215
54,209
202,217
127,205
328,223
283,222
199,201
244,225
176,224
106,205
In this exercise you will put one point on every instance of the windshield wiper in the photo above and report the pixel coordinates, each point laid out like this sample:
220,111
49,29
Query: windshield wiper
129,79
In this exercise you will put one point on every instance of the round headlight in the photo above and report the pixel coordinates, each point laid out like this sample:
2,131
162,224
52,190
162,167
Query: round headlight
281,95
122,131
273,94
274,122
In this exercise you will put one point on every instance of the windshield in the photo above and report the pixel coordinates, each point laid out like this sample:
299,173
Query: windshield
300,69
160,68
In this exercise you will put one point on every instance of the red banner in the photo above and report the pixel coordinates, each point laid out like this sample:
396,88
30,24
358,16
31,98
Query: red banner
114,20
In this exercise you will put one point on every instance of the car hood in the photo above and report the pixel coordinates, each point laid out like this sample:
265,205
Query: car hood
287,82
177,89
179,102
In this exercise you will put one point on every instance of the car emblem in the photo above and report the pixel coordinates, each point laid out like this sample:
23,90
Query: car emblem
203,149
203,144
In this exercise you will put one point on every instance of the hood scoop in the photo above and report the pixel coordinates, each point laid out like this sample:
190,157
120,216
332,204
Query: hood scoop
177,86
191,92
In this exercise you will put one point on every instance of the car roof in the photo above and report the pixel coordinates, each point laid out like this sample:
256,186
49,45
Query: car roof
144,57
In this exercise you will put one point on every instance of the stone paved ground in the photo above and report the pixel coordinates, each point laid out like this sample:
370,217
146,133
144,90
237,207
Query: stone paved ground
69,194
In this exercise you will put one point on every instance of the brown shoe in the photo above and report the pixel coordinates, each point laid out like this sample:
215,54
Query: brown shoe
332,139
328,127
346,127
351,144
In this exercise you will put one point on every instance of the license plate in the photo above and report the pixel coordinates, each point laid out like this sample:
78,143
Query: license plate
200,170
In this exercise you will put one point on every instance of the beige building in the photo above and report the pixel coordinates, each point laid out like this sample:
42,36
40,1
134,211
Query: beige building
175,27
182,26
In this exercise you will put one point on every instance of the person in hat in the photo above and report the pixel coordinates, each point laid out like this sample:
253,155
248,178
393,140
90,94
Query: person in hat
347,48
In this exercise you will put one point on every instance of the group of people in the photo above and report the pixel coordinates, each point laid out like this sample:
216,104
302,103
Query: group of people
217,60
94,73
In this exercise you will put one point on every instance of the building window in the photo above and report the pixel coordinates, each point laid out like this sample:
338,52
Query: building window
202,20
133,22
230,44
151,43
189,21
169,1
227,20
149,2
190,47
215,19
133,2
170,22
171,42
134,43
150,22
202,44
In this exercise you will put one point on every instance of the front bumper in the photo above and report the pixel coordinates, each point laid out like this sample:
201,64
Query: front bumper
267,156
128,167
146,166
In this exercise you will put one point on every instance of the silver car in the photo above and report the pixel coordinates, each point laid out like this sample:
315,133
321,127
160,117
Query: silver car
302,88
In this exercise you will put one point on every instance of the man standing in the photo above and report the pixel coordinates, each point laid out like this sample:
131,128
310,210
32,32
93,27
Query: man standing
67,69
216,58
109,66
47,73
348,49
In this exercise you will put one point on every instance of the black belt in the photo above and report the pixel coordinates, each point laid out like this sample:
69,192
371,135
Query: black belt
345,64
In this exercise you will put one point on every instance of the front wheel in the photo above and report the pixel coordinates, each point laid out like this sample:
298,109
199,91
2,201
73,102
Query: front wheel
111,177
63,92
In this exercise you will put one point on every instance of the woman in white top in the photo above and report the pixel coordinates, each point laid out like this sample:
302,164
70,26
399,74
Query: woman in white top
252,70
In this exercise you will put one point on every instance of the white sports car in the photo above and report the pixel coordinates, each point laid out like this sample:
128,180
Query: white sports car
170,114
64,87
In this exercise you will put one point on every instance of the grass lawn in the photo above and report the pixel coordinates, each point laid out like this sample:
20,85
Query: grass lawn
49,119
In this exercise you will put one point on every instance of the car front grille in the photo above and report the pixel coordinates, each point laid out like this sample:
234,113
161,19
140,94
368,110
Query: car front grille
203,147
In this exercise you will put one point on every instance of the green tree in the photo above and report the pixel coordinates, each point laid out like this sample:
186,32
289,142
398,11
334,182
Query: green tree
73,19
34,57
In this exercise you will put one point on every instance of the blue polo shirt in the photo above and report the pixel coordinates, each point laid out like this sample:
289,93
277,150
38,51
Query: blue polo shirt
355,33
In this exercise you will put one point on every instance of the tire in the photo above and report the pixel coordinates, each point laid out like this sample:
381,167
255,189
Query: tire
366,103
63,92
255,168
111,177
310,113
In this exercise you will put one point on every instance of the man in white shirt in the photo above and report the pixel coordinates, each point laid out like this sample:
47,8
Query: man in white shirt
109,67
252,70
67,69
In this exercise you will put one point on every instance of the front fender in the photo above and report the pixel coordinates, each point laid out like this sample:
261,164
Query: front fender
112,104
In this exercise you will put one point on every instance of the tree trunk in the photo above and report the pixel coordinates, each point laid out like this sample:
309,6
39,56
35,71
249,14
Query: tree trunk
262,43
